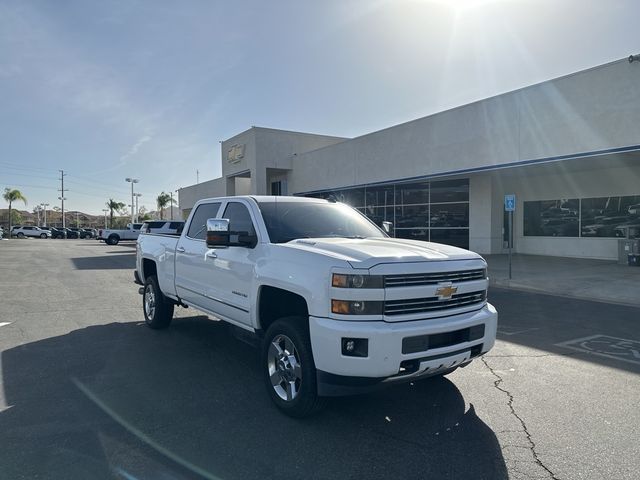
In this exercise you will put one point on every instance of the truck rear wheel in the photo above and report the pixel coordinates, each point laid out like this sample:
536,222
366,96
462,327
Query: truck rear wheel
158,309
289,369
113,239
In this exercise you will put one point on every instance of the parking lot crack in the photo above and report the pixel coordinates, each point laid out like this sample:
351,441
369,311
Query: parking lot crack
498,382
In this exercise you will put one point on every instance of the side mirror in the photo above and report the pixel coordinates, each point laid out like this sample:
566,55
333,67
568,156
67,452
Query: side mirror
219,235
387,227
217,232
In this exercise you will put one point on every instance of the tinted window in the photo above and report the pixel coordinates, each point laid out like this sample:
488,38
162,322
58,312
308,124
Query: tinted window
551,218
137,226
239,218
198,225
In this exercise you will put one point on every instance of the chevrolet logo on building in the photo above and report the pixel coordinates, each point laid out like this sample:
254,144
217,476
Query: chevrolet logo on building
445,291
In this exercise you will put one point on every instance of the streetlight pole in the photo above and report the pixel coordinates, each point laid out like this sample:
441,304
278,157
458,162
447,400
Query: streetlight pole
137,195
132,181
105,210
45,205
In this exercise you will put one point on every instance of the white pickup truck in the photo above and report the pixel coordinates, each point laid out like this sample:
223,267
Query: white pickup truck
113,237
338,306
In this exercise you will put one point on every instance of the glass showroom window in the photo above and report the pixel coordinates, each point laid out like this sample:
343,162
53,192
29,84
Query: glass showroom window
609,216
551,218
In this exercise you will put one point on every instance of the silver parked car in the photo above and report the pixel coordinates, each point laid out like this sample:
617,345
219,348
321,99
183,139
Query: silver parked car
37,232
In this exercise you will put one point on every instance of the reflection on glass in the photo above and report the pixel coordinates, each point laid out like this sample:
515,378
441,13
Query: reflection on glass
551,218
455,237
450,215
450,191
610,216
412,193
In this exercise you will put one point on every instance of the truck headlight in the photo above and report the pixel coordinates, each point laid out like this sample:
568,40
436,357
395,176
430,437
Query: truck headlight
356,307
357,281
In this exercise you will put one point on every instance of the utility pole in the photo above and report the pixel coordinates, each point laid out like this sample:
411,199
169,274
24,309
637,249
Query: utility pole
197,176
171,204
178,202
77,219
132,181
61,197
45,205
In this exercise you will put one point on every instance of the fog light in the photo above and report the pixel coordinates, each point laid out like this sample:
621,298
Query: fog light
355,347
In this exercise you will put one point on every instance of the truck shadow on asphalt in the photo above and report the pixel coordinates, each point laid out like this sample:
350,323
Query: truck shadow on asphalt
119,261
123,401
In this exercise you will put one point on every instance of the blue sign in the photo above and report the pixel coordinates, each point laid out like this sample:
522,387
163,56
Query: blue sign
509,203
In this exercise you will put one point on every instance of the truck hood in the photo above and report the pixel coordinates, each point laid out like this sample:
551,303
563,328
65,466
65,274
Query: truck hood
369,252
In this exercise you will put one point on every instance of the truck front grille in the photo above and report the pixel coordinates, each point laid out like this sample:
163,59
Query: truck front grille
431,304
416,279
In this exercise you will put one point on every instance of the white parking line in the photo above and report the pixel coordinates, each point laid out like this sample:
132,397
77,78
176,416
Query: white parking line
2,324
621,349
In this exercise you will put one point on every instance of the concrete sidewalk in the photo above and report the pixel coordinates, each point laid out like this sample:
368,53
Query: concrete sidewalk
600,280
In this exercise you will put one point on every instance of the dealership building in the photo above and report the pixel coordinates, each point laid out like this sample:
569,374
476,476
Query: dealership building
568,149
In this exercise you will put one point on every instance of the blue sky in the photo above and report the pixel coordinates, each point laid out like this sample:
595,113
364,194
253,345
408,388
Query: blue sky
112,89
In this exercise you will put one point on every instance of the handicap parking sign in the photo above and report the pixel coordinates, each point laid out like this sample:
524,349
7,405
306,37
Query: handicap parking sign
509,203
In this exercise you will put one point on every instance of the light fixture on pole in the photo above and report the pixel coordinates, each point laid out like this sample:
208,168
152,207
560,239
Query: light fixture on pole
105,210
132,181
137,195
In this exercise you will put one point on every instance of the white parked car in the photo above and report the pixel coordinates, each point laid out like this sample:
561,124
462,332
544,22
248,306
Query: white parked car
338,306
37,232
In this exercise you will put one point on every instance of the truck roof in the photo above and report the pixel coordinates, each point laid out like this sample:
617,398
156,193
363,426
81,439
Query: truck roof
269,198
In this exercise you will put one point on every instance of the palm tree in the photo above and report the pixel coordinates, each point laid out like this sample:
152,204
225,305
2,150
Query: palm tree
163,200
112,205
13,195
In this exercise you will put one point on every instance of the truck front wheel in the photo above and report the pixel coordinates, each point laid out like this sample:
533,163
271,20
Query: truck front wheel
158,309
113,239
289,369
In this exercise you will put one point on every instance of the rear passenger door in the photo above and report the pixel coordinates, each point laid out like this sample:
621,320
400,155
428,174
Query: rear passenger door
191,270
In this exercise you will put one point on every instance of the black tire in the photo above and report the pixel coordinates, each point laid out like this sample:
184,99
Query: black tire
20,235
113,239
161,314
306,401
43,235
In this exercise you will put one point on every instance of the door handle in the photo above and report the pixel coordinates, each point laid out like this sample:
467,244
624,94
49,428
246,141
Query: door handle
180,249
210,254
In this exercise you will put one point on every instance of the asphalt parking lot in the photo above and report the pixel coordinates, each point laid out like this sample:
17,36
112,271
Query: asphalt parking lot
88,391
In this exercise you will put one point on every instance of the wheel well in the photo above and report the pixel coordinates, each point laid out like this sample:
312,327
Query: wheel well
275,303
148,268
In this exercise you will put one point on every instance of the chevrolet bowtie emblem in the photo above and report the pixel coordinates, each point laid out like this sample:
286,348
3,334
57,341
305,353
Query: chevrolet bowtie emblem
445,291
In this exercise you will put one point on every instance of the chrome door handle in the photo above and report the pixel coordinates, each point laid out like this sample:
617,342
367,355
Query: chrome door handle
210,254
180,249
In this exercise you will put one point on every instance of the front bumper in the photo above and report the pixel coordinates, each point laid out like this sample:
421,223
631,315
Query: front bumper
386,362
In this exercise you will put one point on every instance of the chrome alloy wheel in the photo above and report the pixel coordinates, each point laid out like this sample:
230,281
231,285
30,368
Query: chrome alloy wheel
285,371
149,302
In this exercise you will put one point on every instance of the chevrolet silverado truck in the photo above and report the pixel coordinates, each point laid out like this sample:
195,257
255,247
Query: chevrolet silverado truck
113,237
338,306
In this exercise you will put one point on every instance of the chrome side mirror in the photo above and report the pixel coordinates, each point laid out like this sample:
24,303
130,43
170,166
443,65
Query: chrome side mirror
217,232
387,227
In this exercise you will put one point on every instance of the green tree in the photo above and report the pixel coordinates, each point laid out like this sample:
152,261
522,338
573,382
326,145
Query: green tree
13,195
114,206
162,201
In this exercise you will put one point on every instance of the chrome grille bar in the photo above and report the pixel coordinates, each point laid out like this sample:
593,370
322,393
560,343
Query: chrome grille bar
430,304
415,279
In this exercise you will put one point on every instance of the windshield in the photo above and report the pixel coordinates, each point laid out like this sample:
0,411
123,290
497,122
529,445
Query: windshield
289,220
